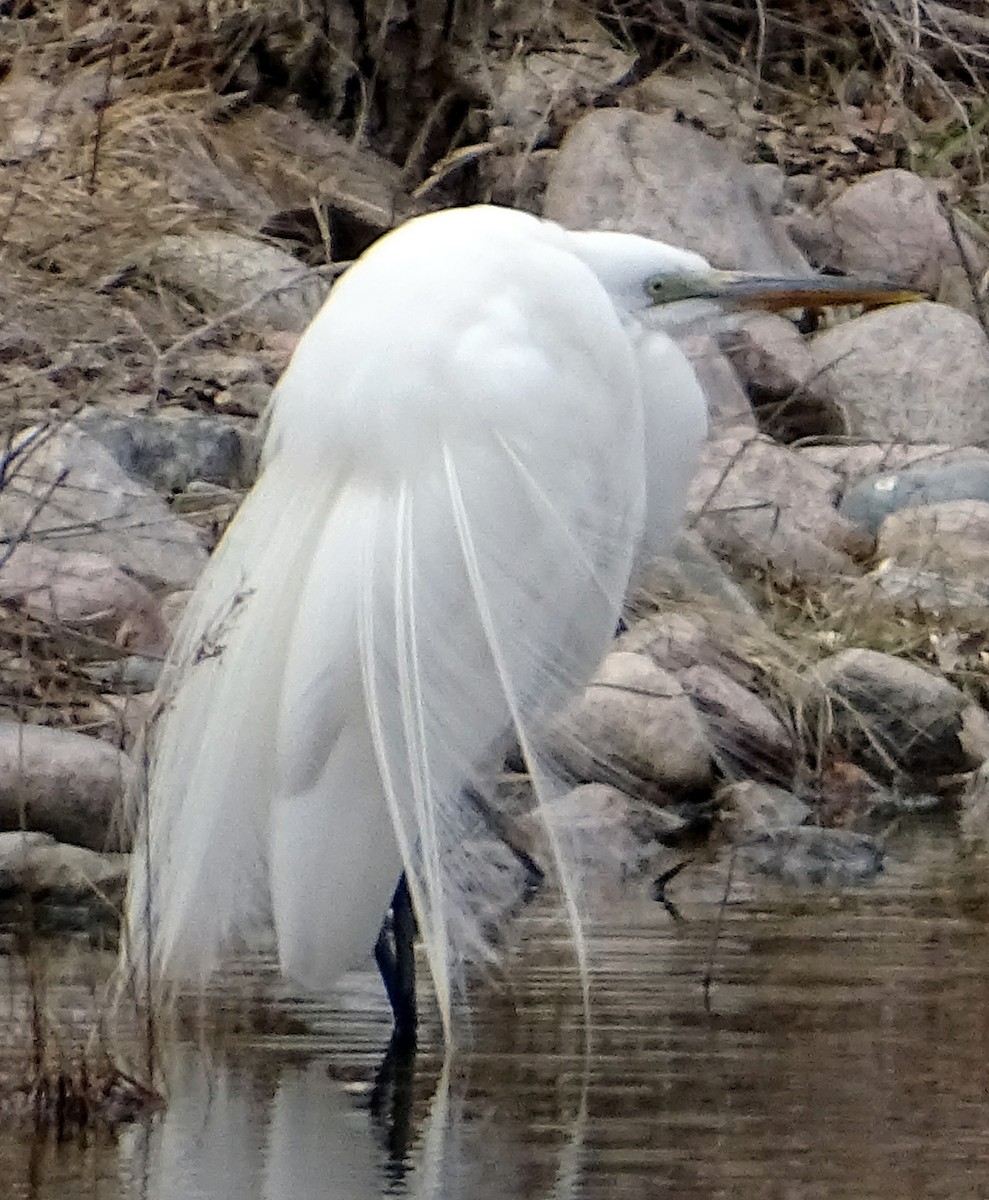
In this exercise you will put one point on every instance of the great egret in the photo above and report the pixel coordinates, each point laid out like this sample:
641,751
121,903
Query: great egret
477,437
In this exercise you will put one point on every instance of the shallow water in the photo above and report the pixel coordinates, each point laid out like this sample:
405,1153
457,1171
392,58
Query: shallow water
843,1053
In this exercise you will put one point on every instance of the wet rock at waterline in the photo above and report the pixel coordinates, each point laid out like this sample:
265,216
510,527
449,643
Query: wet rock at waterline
62,783
748,807
615,836
896,718
812,857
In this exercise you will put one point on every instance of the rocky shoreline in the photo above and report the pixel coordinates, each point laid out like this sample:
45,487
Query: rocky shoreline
810,667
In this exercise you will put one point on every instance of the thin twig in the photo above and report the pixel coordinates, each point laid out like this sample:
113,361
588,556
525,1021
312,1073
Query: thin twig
718,925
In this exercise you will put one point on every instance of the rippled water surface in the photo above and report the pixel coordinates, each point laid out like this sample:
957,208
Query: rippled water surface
843,1053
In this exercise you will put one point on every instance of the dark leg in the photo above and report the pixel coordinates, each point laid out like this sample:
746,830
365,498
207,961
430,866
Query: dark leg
394,952
392,1103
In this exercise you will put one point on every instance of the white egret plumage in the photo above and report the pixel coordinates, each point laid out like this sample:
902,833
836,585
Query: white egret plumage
476,438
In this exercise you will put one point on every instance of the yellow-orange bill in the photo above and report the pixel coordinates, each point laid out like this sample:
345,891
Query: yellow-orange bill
777,293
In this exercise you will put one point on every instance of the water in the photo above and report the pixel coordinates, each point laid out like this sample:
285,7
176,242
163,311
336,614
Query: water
842,1053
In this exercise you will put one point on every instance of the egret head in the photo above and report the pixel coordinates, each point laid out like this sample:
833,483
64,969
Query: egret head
679,286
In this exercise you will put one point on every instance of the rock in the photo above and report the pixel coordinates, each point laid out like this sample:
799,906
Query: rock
974,804
727,403
895,718
812,857
63,783
672,640
764,507
233,384
68,493
950,540
749,740
856,461
889,225
749,807
774,363
869,502
768,352
636,728
360,194
36,865
929,591
611,833
711,99
527,89
688,573
167,453
909,372
85,592
134,674
619,169
227,271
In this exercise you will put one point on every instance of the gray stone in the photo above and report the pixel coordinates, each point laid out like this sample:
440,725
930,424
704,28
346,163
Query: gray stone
810,857
688,573
909,372
673,640
714,100
66,492
619,169
526,89
36,865
167,453
870,501
235,384
895,718
635,727
63,783
768,352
